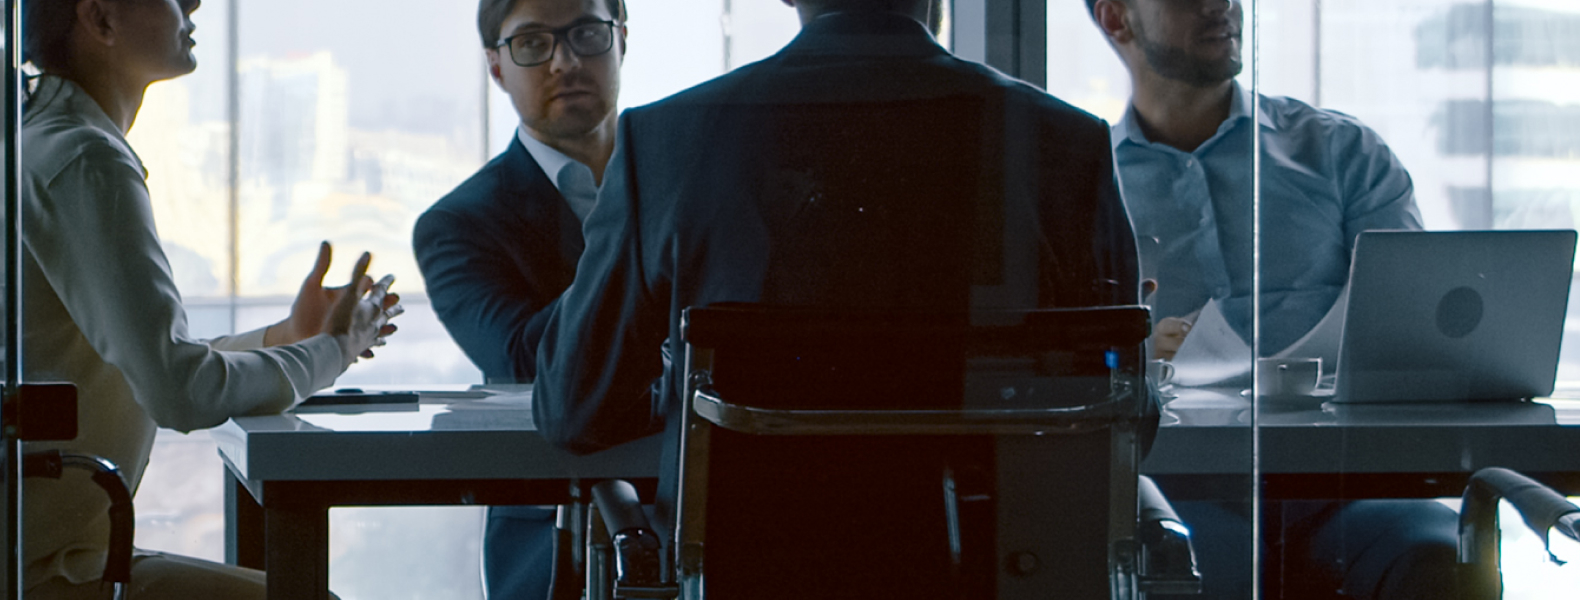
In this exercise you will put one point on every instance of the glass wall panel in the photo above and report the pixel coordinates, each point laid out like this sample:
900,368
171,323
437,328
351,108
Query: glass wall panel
1188,185
1476,101
347,133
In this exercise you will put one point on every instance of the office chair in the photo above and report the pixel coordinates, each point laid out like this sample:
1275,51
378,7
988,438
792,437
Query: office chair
48,412
1542,509
52,464
904,454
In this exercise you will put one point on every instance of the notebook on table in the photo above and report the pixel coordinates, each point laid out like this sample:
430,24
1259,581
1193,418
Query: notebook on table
1439,316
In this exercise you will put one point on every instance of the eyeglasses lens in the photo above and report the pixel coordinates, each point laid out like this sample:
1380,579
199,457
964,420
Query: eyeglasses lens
589,39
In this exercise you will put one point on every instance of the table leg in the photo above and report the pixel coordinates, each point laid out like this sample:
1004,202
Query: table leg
243,525
297,552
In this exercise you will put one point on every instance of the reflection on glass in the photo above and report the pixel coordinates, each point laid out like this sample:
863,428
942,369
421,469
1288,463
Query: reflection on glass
1478,100
347,134
1182,136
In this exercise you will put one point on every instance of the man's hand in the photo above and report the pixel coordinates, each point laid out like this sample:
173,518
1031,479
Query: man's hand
1167,336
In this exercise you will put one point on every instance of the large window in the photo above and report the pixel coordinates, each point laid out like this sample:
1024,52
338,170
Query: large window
1489,144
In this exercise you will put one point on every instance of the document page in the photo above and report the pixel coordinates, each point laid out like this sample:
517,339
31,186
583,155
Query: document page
1213,354
1323,339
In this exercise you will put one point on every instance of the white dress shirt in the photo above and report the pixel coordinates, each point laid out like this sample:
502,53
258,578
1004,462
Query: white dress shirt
102,311
574,180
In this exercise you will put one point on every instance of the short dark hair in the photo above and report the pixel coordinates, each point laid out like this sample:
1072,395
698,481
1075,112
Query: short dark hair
46,33
491,16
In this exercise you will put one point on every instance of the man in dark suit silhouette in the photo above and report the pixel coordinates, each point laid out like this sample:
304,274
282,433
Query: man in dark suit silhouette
861,166
497,251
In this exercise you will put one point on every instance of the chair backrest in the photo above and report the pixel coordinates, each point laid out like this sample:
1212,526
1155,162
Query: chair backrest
909,453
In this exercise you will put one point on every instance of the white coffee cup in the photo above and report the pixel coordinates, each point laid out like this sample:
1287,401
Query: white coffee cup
1160,372
1288,376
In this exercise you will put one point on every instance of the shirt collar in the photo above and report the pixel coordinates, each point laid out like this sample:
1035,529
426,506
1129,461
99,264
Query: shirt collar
63,96
1240,101
1243,98
550,160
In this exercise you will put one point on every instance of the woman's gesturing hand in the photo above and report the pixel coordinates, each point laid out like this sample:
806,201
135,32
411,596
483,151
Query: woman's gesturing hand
359,321
313,313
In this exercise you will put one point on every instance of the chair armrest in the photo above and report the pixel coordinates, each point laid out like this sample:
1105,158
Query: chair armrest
51,464
744,324
1168,560
1542,509
1119,406
639,564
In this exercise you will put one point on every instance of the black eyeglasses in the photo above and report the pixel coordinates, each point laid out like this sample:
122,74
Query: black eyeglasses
533,48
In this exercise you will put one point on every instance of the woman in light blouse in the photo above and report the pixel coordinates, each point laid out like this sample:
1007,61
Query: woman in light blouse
102,311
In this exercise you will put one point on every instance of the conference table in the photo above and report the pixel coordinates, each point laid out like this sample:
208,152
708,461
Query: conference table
453,447
459,446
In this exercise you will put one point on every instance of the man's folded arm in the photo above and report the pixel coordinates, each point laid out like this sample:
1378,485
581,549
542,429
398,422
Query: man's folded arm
600,352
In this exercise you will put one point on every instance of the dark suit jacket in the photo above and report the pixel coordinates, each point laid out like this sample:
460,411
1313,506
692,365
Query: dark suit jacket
860,167
496,253
863,165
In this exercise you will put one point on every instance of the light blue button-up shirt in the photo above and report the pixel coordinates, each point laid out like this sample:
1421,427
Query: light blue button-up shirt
1326,177
573,179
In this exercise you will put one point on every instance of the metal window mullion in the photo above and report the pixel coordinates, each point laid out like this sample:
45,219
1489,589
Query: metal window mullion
1491,114
13,296
1256,298
233,162
1316,52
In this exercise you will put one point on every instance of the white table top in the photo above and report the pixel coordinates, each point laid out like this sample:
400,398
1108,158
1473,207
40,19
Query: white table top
1208,431
452,435
447,435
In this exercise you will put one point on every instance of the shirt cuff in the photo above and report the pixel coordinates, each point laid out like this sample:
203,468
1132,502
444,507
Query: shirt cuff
251,340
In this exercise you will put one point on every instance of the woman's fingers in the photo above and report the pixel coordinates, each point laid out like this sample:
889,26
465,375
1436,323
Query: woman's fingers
360,271
315,278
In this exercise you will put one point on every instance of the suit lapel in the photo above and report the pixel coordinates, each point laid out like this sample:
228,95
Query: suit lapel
540,204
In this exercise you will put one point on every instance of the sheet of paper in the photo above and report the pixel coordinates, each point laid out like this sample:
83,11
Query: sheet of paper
1323,339
1212,354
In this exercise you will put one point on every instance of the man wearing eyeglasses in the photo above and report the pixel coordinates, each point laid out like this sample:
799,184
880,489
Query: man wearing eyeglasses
497,251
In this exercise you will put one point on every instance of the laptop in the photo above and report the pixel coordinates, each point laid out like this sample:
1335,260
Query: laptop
1439,316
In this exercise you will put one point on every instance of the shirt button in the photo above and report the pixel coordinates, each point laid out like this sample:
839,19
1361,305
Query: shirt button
1190,162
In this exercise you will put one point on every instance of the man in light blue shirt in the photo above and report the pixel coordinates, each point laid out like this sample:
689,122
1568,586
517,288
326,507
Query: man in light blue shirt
1184,155
1325,178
